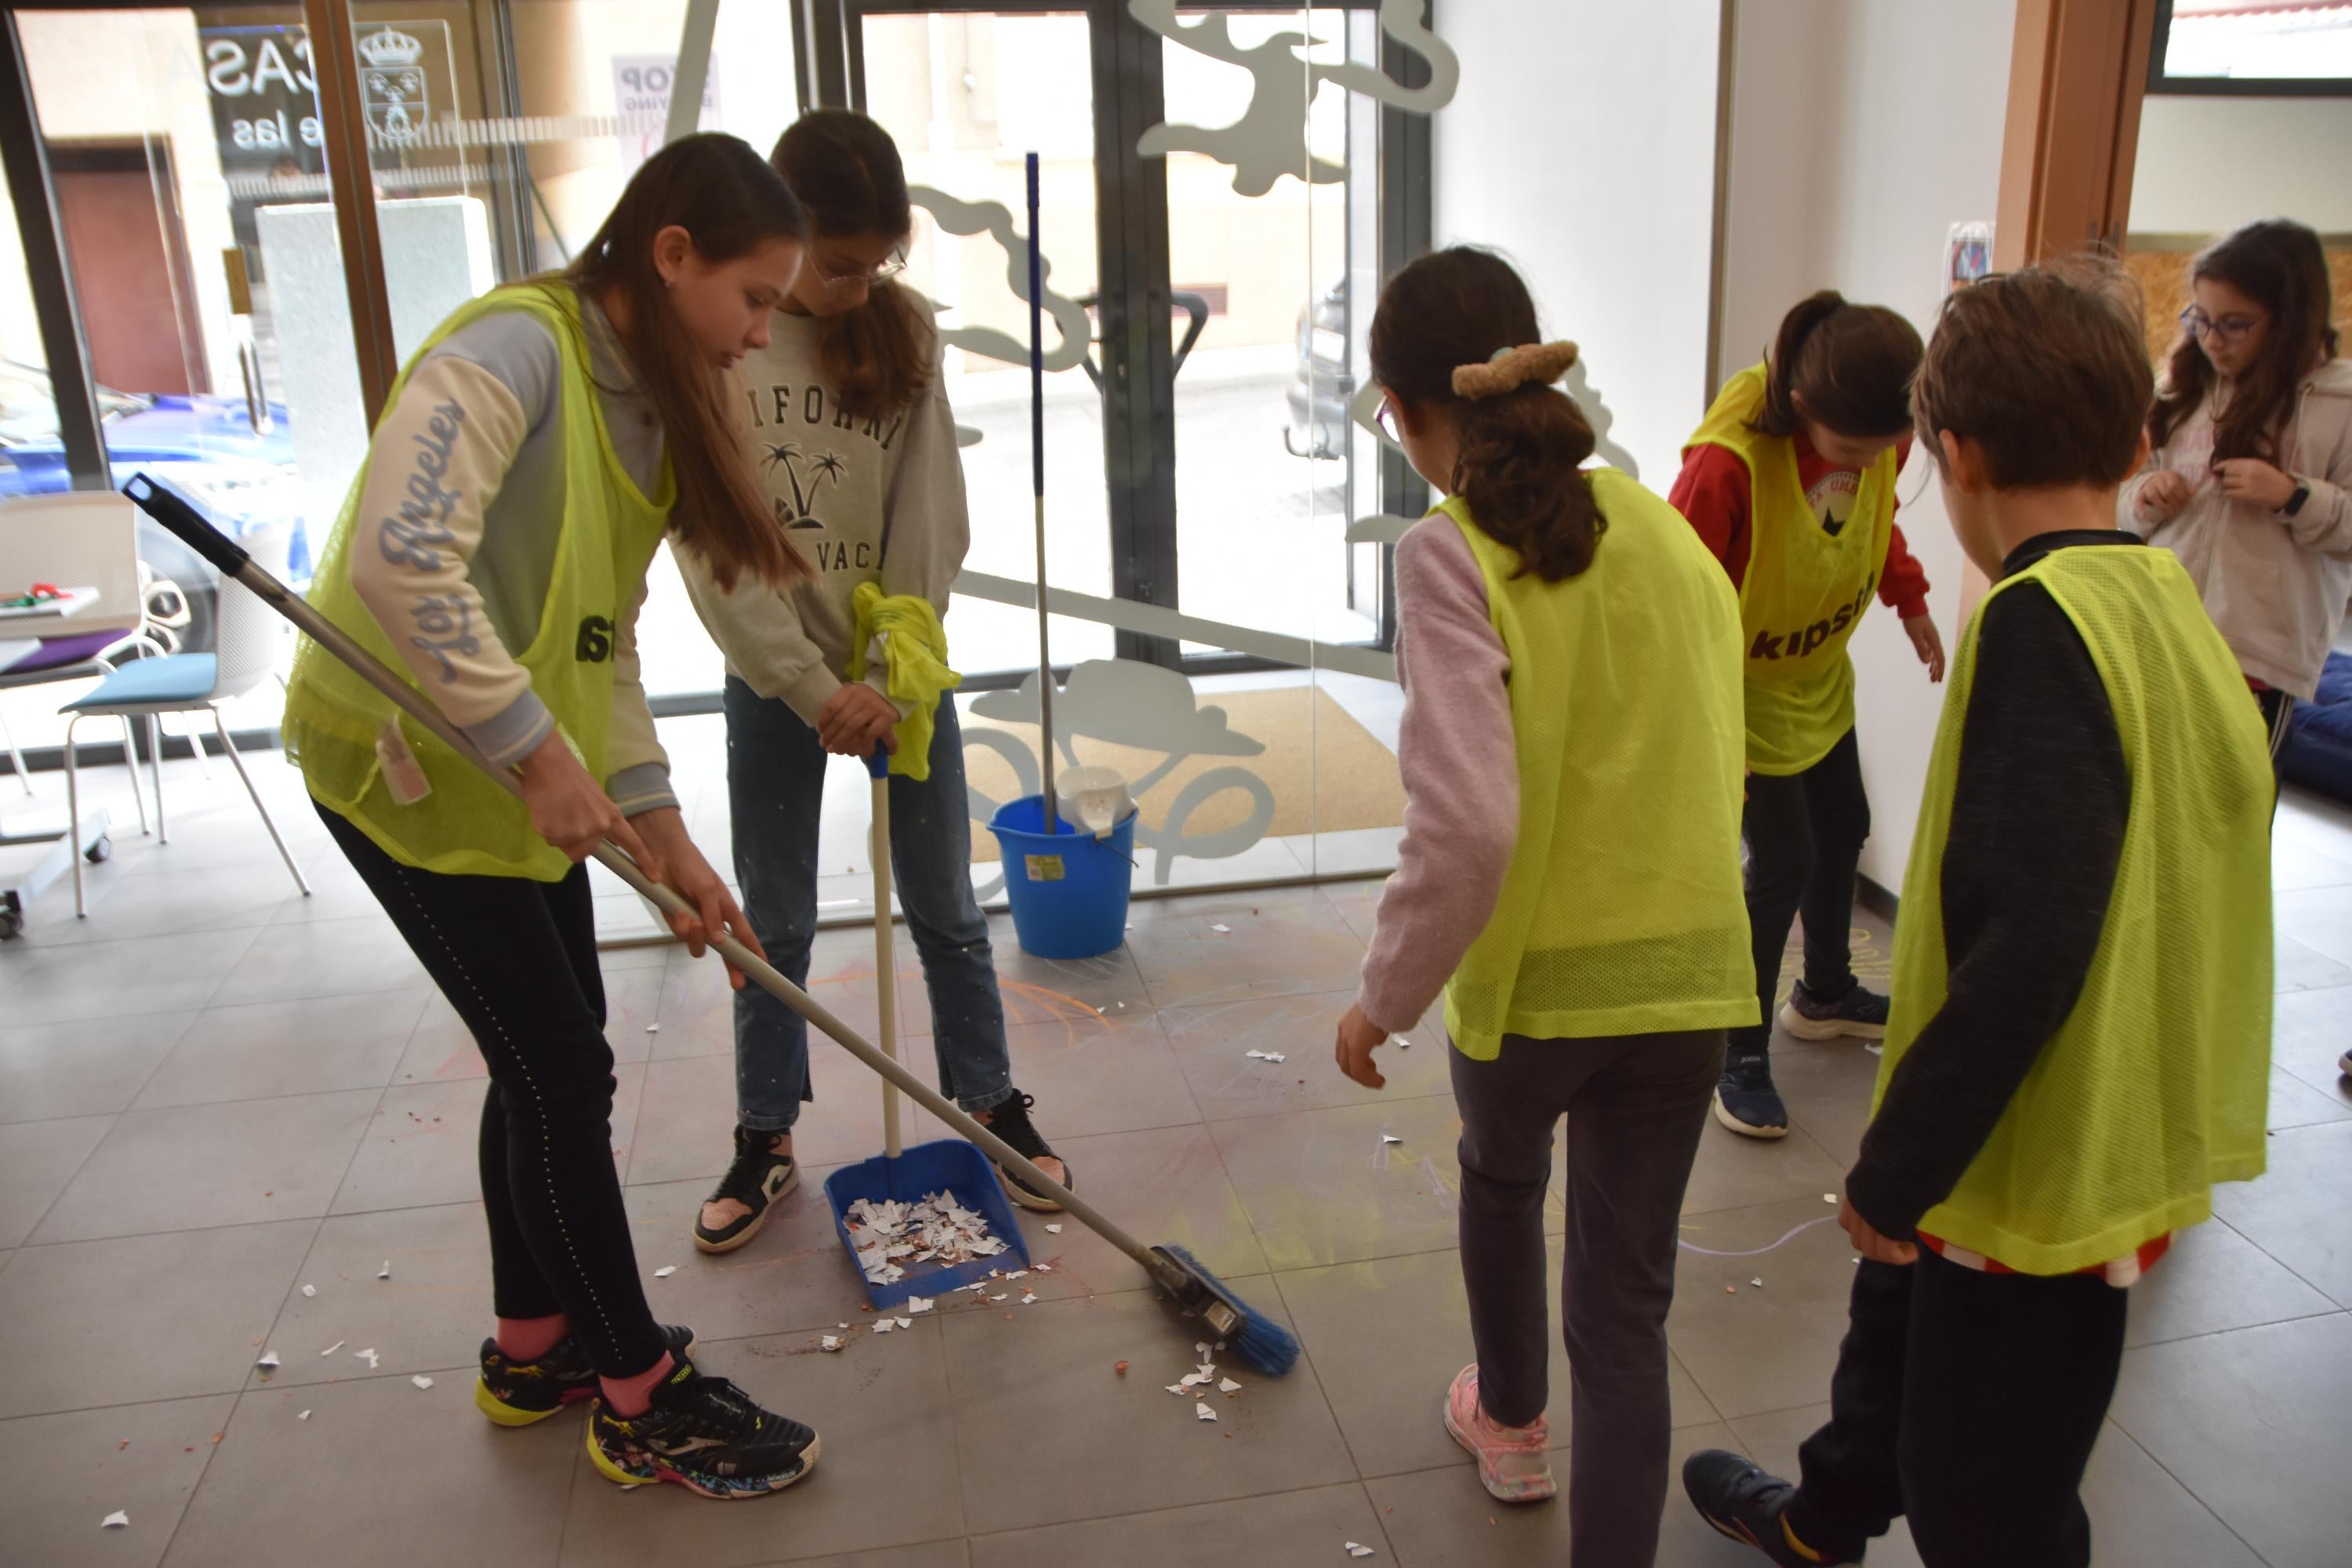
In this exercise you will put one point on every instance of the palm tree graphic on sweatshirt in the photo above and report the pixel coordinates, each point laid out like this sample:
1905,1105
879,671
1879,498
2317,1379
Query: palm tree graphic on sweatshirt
823,467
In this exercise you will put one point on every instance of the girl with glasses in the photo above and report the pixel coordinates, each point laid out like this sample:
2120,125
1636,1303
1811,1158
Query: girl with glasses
845,418
2249,480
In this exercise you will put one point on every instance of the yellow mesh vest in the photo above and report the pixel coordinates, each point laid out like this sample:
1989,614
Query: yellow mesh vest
1622,911
2155,1086
1805,590
467,825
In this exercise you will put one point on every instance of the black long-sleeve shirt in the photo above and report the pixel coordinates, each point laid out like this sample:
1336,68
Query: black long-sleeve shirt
2037,826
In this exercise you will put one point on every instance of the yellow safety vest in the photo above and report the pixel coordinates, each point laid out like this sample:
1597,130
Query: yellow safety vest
2156,1084
1806,589
467,825
1622,912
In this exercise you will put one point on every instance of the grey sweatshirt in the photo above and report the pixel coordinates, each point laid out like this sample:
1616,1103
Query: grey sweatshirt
865,499
480,424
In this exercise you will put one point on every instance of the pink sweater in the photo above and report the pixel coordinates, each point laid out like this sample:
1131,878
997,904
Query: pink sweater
1461,774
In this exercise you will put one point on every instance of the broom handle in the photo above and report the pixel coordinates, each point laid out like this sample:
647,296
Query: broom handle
176,514
886,972
1037,479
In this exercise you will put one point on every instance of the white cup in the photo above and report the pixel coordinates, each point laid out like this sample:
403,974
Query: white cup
1094,798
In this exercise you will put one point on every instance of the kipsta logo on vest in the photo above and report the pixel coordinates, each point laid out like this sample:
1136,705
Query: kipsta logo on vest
1796,645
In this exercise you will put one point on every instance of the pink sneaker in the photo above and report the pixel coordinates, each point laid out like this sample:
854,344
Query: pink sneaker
1514,1462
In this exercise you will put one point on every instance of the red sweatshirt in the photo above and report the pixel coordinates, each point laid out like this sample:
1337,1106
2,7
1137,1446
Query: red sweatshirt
1712,491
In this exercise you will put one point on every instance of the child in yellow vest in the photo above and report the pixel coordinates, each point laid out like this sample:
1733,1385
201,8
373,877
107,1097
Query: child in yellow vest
2080,1046
1569,877
532,458
1791,481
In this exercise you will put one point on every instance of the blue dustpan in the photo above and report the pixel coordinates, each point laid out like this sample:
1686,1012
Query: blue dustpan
950,1164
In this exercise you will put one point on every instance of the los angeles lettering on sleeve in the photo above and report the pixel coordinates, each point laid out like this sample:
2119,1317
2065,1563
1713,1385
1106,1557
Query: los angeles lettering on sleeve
417,533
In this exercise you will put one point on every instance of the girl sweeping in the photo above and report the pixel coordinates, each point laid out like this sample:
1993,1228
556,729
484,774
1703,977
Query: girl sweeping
1569,877
534,456
2249,480
848,423
1791,481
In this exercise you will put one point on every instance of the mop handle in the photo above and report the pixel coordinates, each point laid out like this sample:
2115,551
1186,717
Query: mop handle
174,512
886,972
1037,481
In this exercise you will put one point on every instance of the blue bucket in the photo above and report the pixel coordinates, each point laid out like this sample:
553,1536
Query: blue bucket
1068,889
947,1164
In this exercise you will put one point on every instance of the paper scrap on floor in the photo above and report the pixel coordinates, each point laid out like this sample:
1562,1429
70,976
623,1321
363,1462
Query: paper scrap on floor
1267,1055
421,1381
309,1289
831,1342
332,1348
118,1520
664,1271
918,1303
385,1272
1356,1551
1227,1385
368,1356
935,1229
1200,1412
268,1361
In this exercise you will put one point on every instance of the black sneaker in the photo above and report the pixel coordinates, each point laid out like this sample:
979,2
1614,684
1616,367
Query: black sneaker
1737,1496
1859,1014
756,1180
1009,1119
518,1393
703,1434
1745,1099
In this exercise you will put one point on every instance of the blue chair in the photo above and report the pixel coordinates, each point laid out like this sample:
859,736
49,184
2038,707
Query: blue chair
245,639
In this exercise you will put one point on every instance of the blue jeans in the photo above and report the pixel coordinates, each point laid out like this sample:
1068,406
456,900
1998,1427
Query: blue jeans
775,785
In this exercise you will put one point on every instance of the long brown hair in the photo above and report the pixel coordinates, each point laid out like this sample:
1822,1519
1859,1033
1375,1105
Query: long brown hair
1519,464
846,172
2281,266
730,204
1851,364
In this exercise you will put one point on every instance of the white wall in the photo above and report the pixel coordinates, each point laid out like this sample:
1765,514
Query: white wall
1583,144
2208,164
1861,130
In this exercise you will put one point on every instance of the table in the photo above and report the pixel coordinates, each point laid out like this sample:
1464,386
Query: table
35,617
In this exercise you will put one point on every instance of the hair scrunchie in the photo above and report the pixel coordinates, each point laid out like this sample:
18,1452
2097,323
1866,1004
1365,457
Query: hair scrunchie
1511,369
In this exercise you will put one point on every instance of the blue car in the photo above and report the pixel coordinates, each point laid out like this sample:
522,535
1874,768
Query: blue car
204,445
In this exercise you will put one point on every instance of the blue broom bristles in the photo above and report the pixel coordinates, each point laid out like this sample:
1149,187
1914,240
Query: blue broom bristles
1264,1344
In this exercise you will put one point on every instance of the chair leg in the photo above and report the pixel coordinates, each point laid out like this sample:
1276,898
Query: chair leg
155,763
23,773
73,817
221,729
130,766
195,744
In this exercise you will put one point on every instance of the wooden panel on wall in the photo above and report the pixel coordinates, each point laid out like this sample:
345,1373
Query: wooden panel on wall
2159,263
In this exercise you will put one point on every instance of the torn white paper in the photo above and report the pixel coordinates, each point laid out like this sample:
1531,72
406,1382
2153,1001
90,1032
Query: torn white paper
1391,1138
906,1322
385,1272
1227,1385
268,1361
883,1325
118,1520
1267,1055
309,1289
998,1297
1178,1388
421,1381
332,1348
1356,1551
830,1342
918,1303
652,1028
1029,1298
1200,1412
1044,1268
368,1356
1221,928
664,1271
936,1228
1017,1274
1053,1230
1191,1380
304,1416
1207,1370
1757,1282
1201,1349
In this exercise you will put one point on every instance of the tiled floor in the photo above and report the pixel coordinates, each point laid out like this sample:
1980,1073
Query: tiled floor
213,1094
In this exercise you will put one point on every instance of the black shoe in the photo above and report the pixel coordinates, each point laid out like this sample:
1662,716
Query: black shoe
518,1393
1859,1014
1009,1119
703,1434
1737,1496
1745,1099
756,1180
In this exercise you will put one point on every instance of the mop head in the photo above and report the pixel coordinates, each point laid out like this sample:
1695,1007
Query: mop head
1257,1338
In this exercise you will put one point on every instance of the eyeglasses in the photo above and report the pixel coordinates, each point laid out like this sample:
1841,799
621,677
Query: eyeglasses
1384,416
878,274
2229,329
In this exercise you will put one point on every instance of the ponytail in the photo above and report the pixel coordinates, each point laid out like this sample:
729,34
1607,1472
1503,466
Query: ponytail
1456,328
1851,365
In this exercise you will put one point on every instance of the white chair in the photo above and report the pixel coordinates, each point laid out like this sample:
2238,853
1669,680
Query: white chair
77,538
246,635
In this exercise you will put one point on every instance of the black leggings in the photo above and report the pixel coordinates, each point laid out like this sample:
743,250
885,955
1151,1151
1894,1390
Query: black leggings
517,959
1804,837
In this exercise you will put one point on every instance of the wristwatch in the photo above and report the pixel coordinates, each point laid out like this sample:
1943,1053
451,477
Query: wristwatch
2294,503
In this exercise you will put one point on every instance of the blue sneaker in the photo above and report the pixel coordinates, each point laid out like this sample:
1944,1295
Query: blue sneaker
1745,1099
1859,1014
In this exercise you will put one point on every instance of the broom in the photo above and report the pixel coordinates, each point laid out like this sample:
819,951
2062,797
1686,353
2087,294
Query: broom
1260,1342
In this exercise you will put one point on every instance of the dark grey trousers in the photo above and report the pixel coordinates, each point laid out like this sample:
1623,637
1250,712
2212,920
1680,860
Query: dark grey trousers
1635,1105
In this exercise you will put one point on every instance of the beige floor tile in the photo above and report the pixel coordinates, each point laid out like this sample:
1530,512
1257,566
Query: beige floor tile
1213,1041
84,1069
1308,1526
69,1471
2310,1031
114,979
321,958
930,1555
432,1313
2212,1278
1722,1322
1322,1187
316,1046
422,1144
1270,947
37,1160
442,1048
2295,1210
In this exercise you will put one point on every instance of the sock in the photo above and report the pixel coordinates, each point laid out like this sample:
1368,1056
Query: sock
628,1397
528,1339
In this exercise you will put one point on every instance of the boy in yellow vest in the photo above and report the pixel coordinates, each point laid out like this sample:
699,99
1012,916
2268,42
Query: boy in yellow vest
2080,1044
